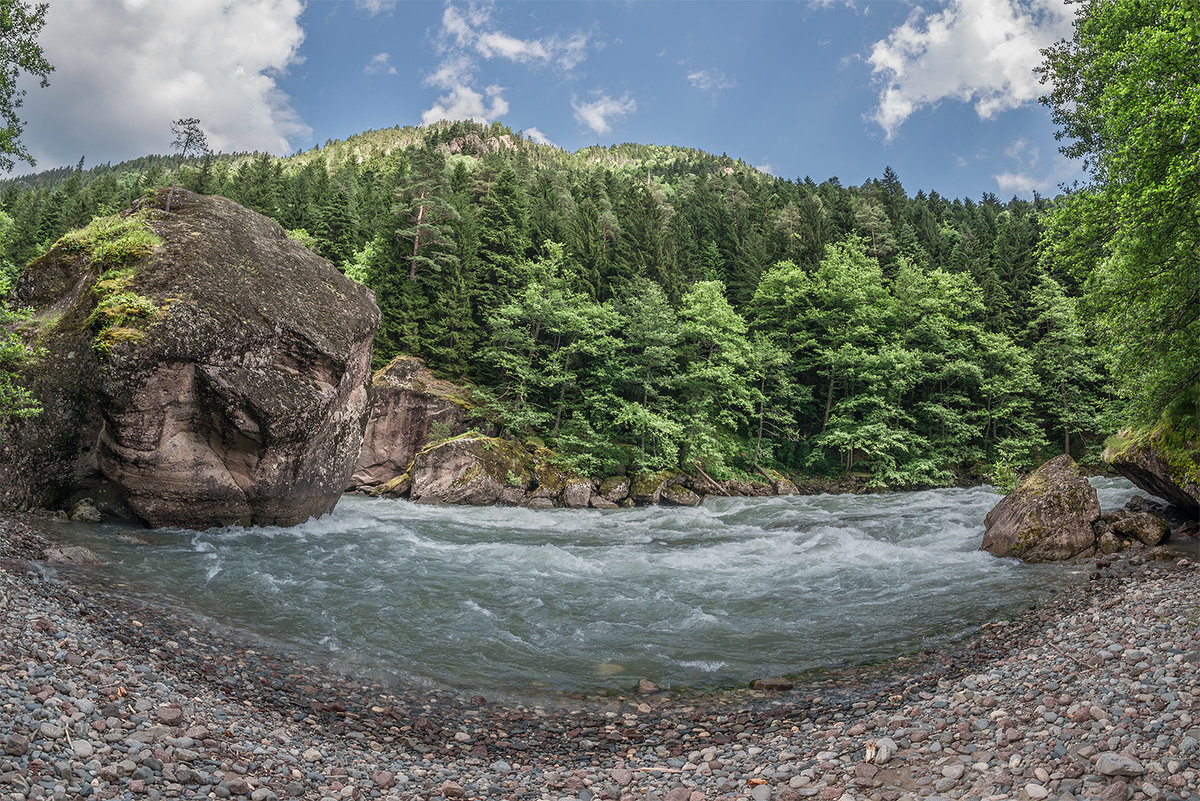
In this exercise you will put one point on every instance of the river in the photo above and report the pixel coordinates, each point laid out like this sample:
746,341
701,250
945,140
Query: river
505,599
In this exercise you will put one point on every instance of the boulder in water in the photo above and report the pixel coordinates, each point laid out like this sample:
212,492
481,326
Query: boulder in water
1047,518
201,369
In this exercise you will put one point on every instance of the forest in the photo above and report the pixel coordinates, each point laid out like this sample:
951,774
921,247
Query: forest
641,307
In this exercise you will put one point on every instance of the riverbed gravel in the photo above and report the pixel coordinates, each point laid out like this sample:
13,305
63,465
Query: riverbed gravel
1095,694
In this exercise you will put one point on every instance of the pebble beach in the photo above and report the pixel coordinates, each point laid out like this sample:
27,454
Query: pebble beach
1094,694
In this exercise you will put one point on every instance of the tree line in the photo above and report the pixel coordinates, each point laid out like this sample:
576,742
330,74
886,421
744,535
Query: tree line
649,307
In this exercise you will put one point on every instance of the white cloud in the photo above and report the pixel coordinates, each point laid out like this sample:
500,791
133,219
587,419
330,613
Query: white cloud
1030,174
710,81
379,65
464,103
471,32
494,44
599,113
374,7
981,51
125,70
539,137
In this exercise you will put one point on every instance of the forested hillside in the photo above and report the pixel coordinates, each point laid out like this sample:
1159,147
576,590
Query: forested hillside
646,307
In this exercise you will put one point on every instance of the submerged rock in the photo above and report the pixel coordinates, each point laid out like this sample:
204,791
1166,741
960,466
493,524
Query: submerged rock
1048,517
201,369
409,409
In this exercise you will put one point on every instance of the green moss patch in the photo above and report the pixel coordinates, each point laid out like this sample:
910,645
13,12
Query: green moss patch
115,241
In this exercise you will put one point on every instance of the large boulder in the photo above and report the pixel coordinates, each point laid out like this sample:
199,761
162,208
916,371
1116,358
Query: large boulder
409,409
1161,462
1048,517
472,470
200,369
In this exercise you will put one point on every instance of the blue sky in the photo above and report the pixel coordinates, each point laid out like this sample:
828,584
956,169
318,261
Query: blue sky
943,92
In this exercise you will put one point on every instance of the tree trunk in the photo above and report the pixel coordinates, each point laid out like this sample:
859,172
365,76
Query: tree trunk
412,272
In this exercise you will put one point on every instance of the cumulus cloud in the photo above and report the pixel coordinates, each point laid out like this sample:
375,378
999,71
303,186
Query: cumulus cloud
1030,174
471,32
981,51
601,112
464,103
710,80
124,70
539,137
378,65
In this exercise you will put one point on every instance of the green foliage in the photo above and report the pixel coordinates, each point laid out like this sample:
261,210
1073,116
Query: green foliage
305,238
111,242
15,398
656,308
1125,90
20,24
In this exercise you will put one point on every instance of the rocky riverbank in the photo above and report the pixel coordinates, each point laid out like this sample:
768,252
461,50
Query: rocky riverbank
1095,696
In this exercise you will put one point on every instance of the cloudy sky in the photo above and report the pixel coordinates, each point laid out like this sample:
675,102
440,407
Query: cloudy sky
942,91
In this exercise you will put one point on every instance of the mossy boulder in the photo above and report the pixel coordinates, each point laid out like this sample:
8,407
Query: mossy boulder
614,488
409,408
646,488
1161,461
472,470
678,495
1048,517
201,369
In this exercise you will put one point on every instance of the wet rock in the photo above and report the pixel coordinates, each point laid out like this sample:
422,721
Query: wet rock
678,495
774,684
647,686
84,510
472,470
1160,462
646,488
1048,517
600,502
71,555
577,493
1144,527
614,488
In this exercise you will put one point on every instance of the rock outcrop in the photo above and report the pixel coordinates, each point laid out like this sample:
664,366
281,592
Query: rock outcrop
472,470
1162,463
409,409
1048,517
201,369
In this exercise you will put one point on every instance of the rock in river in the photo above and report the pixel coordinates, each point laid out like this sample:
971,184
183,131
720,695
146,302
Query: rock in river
202,369
1048,517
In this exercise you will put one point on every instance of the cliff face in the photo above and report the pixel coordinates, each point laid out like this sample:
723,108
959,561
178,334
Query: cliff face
199,369
409,409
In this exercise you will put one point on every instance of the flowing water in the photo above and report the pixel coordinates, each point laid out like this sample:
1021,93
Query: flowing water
510,599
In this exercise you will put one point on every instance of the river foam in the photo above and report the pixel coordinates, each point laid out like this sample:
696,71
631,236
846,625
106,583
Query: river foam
505,599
